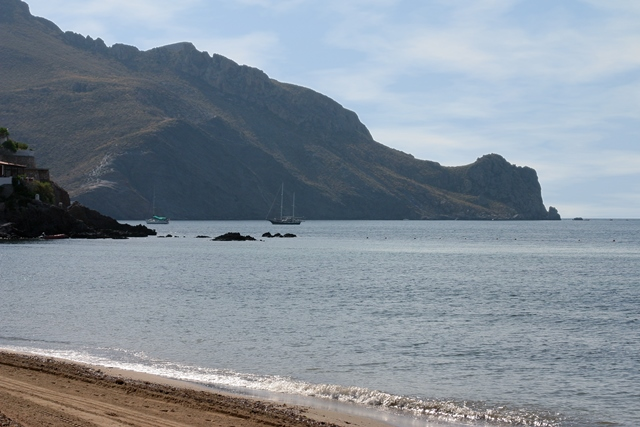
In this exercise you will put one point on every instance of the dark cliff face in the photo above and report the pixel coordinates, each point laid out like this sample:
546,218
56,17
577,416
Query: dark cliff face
491,177
215,140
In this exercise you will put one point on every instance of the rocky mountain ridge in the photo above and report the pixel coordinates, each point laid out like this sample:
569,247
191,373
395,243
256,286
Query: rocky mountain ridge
210,139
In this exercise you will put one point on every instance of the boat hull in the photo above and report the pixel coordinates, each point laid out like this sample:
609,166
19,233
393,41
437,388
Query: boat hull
285,221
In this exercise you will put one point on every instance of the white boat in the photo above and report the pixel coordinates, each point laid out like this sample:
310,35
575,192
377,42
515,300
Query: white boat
155,219
286,220
158,220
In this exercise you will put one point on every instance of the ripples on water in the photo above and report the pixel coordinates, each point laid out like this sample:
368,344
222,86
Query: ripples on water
525,323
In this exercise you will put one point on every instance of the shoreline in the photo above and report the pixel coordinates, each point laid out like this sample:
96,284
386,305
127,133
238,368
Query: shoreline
41,390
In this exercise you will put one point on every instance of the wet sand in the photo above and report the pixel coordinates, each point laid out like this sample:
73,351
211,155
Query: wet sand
41,391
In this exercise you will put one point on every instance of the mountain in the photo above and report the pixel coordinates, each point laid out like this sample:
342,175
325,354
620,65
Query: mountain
215,140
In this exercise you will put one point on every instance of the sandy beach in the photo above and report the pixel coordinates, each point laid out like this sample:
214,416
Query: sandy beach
41,391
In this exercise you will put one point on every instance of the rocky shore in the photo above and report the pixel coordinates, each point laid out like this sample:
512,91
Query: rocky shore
34,219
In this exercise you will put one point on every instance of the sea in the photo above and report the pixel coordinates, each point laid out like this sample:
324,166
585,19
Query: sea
416,323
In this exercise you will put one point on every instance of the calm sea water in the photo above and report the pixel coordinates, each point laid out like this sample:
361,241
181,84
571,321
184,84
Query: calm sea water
452,323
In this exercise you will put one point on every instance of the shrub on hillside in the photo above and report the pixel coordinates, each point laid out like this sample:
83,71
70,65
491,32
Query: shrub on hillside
24,190
14,146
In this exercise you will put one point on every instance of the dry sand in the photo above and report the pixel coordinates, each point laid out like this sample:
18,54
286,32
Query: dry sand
40,391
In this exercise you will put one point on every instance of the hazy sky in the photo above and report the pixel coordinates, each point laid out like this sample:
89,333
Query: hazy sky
550,84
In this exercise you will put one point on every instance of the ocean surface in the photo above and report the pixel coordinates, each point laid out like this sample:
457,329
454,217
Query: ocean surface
420,323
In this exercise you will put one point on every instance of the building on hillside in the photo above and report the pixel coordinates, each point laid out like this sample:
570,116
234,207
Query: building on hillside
22,162
9,170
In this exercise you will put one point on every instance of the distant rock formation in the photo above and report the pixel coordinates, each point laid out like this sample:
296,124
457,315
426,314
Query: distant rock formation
492,179
212,139
553,214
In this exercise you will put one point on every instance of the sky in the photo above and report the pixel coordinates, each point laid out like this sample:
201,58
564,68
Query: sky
549,84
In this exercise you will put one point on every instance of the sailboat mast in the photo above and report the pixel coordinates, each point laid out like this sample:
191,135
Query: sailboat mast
284,219
153,203
281,199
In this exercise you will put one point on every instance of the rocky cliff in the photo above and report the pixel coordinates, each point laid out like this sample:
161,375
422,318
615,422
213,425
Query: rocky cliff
207,138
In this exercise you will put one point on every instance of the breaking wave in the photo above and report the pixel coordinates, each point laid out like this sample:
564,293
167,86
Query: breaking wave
452,411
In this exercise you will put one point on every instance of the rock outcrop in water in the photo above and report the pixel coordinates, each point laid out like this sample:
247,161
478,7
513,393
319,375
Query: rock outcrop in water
233,237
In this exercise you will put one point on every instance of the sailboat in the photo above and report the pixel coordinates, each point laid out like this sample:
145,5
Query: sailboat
155,219
158,220
286,220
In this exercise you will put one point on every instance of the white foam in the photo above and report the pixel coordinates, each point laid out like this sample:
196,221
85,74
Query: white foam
411,408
